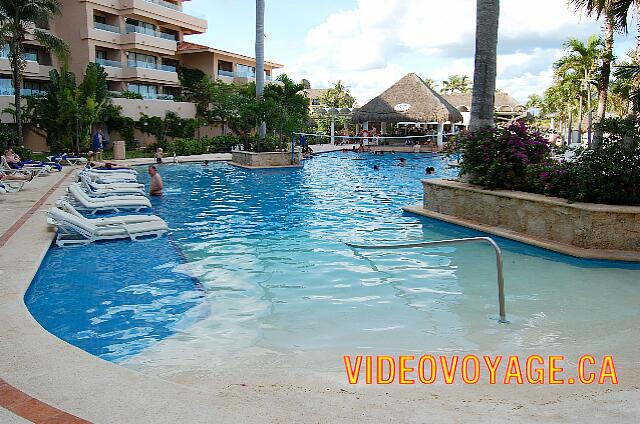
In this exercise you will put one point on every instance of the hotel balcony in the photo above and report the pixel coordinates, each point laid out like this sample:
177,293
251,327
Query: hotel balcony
150,72
134,37
32,67
162,11
239,77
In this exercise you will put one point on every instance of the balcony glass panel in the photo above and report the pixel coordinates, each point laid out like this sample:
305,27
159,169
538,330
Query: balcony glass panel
110,63
141,64
222,73
107,27
150,32
164,4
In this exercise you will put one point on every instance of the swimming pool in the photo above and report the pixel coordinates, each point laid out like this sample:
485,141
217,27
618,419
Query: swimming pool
257,266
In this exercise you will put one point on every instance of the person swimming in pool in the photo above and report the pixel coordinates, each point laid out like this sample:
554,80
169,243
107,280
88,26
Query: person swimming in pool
403,162
376,167
430,170
156,186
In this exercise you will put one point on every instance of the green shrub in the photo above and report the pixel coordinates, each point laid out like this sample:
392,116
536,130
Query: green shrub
608,173
128,95
8,137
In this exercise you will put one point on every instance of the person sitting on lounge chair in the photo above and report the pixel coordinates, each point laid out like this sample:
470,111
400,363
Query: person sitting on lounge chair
103,165
4,177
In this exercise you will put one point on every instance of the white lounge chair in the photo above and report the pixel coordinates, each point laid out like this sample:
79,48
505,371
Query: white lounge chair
11,186
108,189
41,168
115,204
127,219
108,178
129,185
114,171
74,230
102,196
5,168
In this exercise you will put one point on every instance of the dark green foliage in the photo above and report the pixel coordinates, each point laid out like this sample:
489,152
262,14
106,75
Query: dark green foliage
191,146
8,137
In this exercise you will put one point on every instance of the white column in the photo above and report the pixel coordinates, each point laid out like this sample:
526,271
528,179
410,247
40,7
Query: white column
366,126
553,123
383,128
333,130
440,138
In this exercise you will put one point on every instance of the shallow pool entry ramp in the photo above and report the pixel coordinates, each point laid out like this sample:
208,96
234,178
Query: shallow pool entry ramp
487,240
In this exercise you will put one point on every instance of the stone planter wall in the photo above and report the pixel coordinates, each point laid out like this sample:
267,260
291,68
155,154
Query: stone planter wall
265,160
581,225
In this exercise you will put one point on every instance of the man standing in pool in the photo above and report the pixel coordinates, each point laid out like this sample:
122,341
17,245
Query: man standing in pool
156,185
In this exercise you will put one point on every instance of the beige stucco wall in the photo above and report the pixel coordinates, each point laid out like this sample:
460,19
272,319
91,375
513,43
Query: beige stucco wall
134,108
583,225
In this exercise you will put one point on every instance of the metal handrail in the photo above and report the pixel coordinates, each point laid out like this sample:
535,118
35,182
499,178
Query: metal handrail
489,240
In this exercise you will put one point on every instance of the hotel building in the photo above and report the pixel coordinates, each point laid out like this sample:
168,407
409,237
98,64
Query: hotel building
140,43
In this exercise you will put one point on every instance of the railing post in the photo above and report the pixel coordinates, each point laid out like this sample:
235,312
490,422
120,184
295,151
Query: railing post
489,240
293,148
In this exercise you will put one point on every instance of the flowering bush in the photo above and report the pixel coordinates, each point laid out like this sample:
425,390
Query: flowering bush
516,158
500,157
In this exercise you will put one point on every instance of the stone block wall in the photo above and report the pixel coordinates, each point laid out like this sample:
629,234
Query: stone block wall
583,225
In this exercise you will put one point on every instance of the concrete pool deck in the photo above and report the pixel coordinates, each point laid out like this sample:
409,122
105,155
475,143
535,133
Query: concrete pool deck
43,379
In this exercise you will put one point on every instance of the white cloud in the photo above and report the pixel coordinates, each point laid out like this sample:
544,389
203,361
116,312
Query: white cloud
379,41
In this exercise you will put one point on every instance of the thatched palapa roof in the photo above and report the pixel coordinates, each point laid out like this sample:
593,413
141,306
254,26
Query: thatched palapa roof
408,100
503,102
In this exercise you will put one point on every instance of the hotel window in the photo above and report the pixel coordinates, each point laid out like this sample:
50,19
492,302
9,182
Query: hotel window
141,27
101,55
139,60
99,19
6,87
4,53
146,91
34,87
246,71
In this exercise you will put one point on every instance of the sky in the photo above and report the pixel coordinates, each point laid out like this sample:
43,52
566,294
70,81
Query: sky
370,44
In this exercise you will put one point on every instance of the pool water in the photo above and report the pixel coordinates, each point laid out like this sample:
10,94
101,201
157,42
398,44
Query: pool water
257,264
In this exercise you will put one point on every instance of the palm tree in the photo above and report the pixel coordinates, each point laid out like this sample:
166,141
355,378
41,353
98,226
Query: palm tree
430,83
17,17
456,84
338,96
260,6
619,12
581,61
485,68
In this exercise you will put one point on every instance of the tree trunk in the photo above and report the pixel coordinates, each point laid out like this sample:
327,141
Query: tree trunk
16,70
484,75
260,6
605,74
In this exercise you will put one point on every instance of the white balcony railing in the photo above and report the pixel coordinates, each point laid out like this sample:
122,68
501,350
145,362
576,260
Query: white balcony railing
109,63
147,31
166,4
150,65
9,91
107,27
222,73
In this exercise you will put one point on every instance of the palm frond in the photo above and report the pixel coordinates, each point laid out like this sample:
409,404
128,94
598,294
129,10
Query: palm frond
55,45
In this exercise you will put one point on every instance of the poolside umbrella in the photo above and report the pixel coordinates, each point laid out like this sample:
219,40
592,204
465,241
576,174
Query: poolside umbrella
408,100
